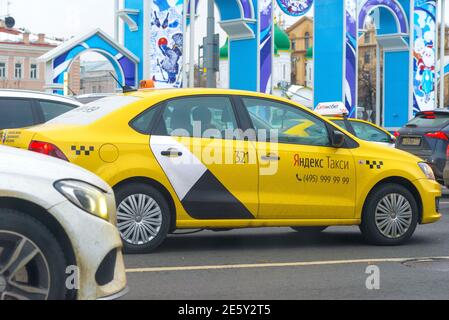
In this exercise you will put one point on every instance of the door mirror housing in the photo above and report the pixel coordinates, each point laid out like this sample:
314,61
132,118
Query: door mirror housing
338,139
392,139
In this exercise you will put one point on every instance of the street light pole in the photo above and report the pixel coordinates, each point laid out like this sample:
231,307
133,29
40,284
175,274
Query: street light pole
116,21
209,56
192,45
442,51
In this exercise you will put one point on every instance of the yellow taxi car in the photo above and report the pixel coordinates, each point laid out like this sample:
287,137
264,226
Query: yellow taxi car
221,159
337,112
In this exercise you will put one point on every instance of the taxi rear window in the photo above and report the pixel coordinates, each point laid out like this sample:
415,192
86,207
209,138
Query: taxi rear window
94,111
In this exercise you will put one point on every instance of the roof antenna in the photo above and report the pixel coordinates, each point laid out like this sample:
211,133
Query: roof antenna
125,88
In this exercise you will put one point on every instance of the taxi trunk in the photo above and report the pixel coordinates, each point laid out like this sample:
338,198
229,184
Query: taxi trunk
17,138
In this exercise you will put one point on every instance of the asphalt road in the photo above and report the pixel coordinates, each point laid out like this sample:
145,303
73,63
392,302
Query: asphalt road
270,264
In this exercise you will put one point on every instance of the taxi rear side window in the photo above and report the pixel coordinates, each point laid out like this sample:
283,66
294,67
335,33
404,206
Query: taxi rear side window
143,123
199,117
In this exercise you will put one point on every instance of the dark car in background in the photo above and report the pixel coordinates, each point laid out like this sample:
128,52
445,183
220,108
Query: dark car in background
427,136
20,109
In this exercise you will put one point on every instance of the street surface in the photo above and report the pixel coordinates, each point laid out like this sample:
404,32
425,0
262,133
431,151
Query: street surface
279,263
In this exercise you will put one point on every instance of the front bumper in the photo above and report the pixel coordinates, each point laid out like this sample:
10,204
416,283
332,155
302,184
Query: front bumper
94,241
430,192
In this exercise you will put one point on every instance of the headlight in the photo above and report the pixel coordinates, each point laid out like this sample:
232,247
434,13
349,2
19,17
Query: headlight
427,170
84,196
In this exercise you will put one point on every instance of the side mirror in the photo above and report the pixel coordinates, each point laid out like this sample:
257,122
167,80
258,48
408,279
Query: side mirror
393,139
338,139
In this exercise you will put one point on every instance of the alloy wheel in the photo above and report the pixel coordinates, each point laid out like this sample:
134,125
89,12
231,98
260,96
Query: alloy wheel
24,271
139,219
394,215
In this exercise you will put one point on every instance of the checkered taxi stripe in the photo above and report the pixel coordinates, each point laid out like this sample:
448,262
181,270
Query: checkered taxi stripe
375,164
83,150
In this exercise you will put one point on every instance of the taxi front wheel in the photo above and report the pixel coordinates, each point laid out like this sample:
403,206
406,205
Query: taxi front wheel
143,217
390,216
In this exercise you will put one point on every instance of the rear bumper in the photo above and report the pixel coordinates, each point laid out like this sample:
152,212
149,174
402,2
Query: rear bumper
430,192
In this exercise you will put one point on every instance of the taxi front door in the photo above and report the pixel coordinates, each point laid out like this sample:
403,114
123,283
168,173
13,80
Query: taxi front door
301,176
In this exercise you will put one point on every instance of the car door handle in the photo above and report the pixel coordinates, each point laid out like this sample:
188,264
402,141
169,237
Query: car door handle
172,153
271,157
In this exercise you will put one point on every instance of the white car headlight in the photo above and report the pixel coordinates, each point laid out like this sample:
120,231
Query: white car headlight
85,196
427,170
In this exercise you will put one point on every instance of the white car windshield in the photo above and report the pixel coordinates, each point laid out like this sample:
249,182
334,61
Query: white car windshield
94,111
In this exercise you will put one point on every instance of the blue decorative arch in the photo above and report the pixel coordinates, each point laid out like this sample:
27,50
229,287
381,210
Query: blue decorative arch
236,9
60,59
391,5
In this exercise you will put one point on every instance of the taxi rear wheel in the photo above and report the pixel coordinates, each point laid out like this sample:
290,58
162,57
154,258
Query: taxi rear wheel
143,218
391,216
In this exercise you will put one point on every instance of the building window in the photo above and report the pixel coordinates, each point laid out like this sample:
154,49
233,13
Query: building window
293,44
367,37
18,70
307,40
2,70
33,71
367,58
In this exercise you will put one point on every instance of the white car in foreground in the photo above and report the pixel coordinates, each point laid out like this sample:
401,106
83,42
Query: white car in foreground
58,238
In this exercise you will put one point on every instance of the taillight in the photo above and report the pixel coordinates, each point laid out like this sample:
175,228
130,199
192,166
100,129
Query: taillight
429,115
397,134
47,149
437,135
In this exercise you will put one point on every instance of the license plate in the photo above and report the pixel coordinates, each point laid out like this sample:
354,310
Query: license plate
411,141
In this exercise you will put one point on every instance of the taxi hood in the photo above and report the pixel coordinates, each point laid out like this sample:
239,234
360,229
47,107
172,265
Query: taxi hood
16,162
376,149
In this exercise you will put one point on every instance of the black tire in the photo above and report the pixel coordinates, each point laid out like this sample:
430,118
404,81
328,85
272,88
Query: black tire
15,224
309,230
369,227
133,189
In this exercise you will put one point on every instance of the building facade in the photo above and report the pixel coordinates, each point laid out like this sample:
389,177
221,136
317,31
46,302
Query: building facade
96,77
19,65
282,70
301,37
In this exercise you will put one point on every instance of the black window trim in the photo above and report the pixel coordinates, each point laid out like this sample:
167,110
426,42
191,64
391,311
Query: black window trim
349,143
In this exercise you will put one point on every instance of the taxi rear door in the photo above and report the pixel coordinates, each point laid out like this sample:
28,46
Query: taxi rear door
213,172
301,175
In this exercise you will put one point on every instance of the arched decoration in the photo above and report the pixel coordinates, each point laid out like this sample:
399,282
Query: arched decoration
391,5
60,59
236,9
295,8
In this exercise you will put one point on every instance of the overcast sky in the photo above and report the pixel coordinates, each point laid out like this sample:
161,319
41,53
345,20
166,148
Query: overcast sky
66,18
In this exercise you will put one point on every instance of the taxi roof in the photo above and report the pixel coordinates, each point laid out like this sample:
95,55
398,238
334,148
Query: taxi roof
151,93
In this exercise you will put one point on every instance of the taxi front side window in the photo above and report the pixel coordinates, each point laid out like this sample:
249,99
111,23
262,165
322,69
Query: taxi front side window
292,125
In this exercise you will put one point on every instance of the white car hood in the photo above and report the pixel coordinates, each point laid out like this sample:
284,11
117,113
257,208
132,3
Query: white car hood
17,162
